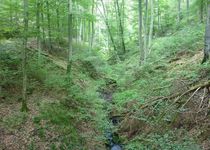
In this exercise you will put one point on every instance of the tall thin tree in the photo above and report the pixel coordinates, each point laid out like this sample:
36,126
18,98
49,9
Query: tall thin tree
207,36
24,57
121,27
142,53
70,51
38,4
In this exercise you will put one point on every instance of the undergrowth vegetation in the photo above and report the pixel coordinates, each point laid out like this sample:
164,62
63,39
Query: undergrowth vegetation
77,118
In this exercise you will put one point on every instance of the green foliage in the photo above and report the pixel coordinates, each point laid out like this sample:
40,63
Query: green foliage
62,119
127,95
188,39
166,141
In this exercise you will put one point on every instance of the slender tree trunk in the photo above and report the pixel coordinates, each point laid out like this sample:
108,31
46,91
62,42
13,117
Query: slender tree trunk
24,57
207,36
49,25
179,10
89,32
121,27
158,7
70,36
11,14
43,29
188,10
151,25
201,10
84,30
146,29
80,31
92,25
38,29
58,21
108,27
142,54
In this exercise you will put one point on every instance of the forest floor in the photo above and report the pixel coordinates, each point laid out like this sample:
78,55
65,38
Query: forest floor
20,130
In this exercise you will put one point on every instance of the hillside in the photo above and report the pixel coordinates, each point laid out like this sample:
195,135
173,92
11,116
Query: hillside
104,75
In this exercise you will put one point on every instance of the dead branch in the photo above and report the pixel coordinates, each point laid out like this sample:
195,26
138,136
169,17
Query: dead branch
178,96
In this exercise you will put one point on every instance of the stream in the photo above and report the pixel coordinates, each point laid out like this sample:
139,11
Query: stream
106,93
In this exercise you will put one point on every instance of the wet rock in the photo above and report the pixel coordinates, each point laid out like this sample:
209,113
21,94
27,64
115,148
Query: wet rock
116,147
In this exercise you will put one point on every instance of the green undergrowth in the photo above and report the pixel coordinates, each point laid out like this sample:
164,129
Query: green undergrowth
166,141
174,62
74,119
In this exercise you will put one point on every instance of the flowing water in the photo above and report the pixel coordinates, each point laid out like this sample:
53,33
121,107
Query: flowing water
112,138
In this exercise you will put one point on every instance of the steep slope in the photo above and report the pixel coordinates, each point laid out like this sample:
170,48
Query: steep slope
164,104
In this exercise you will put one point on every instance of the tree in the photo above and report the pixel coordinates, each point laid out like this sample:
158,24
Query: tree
121,27
207,36
38,8
105,17
24,55
188,10
201,3
70,32
142,53
151,25
179,10
49,26
92,24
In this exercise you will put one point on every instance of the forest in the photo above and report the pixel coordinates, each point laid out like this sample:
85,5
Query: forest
104,74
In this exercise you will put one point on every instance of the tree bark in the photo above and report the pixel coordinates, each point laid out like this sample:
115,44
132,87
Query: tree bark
92,26
179,10
141,49
58,22
159,13
188,10
108,26
38,29
151,25
70,36
201,10
24,58
207,36
42,25
49,25
121,27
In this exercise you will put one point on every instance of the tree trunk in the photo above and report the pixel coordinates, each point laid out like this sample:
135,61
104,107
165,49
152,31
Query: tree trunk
24,57
49,25
43,28
188,10
207,36
159,13
146,30
58,22
151,25
70,51
142,54
108,27
92,26
38,29
121,28
179,10
201,10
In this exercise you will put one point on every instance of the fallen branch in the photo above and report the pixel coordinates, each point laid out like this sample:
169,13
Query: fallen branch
58,62
190,97
178,96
